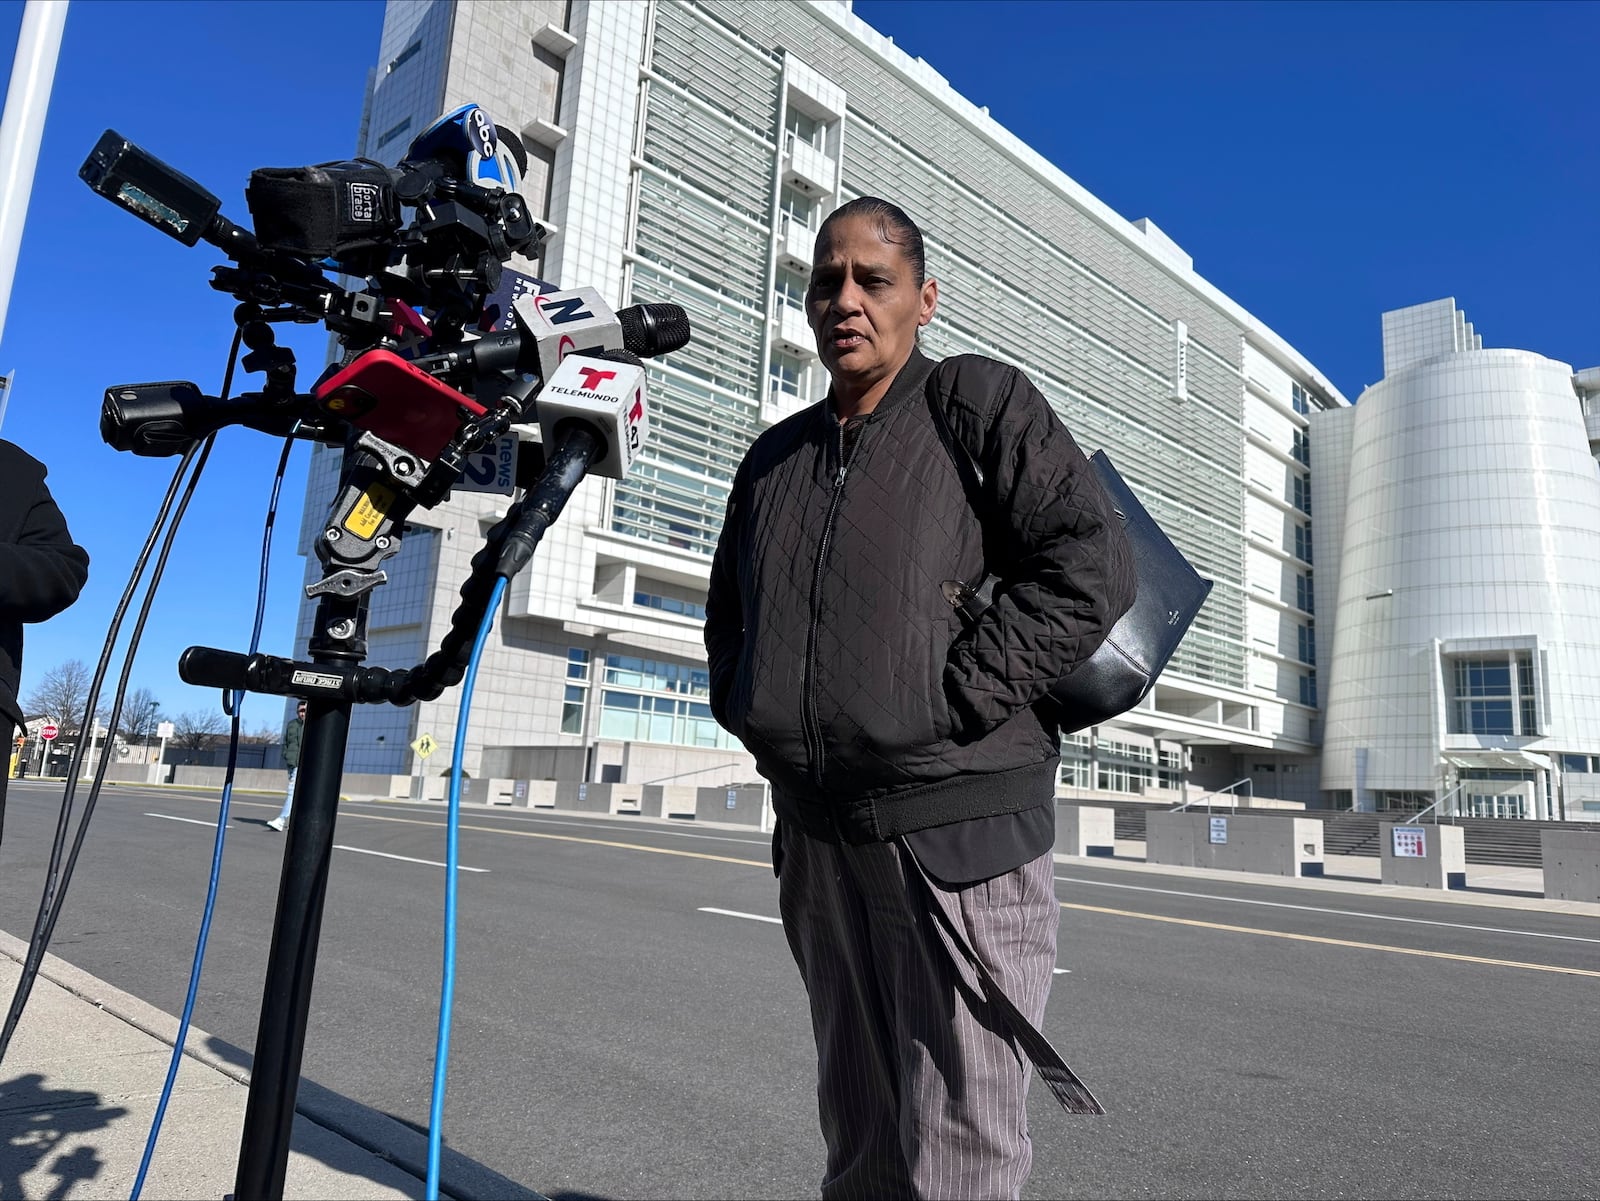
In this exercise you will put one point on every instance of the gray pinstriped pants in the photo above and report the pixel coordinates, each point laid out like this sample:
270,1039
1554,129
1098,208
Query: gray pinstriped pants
921,1090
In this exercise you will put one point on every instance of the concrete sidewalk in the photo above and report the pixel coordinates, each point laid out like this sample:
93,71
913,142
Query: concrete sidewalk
84,1073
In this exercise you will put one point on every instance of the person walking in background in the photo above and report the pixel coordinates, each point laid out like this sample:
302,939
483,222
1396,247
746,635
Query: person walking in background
913,768
292,735
42,571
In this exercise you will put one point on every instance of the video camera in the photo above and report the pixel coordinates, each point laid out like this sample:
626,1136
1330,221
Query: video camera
432,372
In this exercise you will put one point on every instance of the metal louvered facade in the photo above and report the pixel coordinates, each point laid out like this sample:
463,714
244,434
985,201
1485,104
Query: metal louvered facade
693,148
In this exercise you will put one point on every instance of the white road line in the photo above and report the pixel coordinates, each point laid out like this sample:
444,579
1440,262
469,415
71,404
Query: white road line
535,817
754,917
460,867
193,821
1377,917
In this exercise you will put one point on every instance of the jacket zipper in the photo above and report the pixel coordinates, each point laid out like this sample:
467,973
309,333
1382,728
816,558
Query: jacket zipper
810,721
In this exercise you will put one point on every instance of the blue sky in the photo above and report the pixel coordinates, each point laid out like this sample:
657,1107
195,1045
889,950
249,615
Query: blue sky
1321,162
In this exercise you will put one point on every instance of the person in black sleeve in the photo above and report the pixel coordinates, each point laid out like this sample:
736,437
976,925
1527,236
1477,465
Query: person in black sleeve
913,767
41,572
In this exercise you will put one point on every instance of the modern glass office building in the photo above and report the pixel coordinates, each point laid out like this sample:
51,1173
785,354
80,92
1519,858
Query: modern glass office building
687,151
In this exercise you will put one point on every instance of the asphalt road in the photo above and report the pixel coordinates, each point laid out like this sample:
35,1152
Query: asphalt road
614,1038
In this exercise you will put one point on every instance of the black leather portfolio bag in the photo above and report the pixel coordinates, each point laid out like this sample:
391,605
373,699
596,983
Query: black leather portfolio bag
1170,592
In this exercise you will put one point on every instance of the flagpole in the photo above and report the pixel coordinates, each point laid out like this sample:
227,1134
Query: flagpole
22,128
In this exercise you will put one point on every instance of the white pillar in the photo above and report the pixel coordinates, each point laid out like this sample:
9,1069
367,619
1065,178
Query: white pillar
22,128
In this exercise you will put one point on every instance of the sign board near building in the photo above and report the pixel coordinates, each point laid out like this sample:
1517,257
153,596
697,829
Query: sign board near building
1219,830
1410,842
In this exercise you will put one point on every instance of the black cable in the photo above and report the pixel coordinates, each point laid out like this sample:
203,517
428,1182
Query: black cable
122,688
24,987
57,879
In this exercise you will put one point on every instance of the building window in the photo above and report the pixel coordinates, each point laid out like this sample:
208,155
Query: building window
1300,398
1123,767
796,207
789,289
1169,773
802,127
577,693
1302,494
1494,696
1403,801
1302,448
1527,702
1302,543
1575,763
785,376
1076,773
1304,596
669,604
405,56
645,700
1307,643
1308,690
394,132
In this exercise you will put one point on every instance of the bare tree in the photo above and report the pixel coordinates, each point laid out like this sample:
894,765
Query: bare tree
141,713
61,695
195,730
265,733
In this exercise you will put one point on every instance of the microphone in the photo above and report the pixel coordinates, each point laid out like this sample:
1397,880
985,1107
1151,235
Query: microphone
593,420
654,329
578,321
605,396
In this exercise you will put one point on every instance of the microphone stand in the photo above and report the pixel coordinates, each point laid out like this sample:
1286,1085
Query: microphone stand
339,643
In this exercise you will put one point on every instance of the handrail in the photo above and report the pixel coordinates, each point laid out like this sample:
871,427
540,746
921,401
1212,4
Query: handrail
1206,797
1416,818
696,772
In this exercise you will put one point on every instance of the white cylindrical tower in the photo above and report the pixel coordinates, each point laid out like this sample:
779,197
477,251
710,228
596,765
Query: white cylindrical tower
1467,633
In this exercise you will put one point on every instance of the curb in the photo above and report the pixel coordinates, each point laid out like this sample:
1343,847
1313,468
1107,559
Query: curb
376,1133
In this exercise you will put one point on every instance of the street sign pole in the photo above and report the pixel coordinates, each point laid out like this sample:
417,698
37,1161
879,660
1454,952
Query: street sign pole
422,747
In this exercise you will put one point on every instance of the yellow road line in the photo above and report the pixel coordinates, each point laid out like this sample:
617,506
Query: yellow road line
1334,942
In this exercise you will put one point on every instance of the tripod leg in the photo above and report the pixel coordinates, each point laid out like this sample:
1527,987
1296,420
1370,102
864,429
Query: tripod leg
286,999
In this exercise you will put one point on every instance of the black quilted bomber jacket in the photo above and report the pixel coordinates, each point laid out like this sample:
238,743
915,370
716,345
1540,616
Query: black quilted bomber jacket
834,655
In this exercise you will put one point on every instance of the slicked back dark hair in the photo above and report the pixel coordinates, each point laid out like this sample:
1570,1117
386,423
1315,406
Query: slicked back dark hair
893,225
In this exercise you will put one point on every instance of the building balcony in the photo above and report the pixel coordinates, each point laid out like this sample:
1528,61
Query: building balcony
792,334
796,241
807,169
543,133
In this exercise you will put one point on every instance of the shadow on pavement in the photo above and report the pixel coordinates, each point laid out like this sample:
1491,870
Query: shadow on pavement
394,1139
35,1121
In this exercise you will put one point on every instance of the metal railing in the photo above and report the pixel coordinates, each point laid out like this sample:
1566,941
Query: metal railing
699,771
1416,818
1249,788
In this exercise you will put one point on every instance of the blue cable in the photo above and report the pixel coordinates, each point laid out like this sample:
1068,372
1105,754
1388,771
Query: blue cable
447,988
216,851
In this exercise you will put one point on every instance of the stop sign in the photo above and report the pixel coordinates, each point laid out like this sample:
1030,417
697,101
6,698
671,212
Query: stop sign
48,731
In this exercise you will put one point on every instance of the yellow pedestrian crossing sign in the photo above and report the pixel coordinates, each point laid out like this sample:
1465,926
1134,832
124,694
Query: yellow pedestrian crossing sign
424,745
